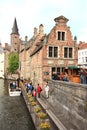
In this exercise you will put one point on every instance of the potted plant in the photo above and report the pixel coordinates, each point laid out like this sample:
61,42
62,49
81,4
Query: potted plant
29,95
42,115
44,126
33,103
37,109
31,99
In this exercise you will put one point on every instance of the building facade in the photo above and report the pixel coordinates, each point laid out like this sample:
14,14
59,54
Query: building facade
82,54
49,54
7,49
1,61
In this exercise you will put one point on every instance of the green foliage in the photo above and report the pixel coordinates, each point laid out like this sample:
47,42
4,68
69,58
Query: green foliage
13,62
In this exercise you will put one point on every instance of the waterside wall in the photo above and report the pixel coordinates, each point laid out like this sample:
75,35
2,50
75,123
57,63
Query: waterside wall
70,100
36,120
66,105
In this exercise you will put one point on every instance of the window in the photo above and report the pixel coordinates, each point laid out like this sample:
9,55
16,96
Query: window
85,59
61,36
50,51
68,52
82,59
56,71
65,52
53,51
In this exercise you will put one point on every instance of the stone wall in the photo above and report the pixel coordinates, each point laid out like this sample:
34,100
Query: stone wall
70,99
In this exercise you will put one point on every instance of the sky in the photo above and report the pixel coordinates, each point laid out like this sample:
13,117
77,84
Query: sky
32,13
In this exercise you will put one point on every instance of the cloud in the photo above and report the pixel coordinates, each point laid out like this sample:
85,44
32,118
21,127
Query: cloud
31,13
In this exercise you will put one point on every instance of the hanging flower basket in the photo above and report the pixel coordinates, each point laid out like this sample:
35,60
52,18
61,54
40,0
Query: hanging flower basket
45,126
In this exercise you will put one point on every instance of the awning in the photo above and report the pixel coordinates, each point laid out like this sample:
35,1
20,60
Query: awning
73,67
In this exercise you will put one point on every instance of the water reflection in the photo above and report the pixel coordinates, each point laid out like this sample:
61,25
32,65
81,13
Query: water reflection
13,111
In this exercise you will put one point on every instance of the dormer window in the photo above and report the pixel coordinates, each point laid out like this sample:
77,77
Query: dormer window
61,36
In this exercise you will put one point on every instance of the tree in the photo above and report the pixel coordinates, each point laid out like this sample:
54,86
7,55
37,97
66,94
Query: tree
13,62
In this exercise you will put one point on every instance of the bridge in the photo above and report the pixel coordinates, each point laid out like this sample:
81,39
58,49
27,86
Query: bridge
66,105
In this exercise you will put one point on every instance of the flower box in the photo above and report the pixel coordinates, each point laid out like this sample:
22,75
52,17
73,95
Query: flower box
45,126
37,109
33,103
31,99
42,115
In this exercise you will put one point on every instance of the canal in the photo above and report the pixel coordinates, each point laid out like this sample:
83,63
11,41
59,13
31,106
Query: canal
14,114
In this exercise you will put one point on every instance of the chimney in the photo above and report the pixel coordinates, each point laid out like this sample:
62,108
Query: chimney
61,20
26,37
41,30
6,46
35,32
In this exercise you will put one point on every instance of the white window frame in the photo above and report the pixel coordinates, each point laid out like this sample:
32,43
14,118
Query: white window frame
61,36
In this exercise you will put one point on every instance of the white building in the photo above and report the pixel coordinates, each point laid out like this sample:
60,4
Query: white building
82,55
1,62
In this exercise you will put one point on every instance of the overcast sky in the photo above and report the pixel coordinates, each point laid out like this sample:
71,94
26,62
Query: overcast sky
32,13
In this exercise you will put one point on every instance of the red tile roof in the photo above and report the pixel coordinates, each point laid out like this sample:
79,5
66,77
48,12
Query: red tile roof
82,45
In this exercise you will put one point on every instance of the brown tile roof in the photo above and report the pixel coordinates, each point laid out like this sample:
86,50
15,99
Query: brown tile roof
39,45
82,45
36,49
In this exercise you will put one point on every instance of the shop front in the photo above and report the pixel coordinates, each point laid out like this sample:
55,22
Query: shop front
74,74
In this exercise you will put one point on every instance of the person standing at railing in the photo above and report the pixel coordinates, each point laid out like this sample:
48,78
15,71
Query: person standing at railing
39,89
47,90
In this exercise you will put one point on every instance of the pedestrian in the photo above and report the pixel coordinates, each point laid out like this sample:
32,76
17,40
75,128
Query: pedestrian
39,89
61,76
31,88
14,85
47,90
11,85
65,77
18,81
27,87
34,93
83,76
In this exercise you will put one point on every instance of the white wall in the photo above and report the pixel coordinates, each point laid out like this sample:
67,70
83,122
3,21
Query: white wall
1,63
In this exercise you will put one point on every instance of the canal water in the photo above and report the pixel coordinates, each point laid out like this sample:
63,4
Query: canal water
14,114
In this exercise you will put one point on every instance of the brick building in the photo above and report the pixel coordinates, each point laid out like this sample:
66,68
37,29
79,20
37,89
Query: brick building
45,55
